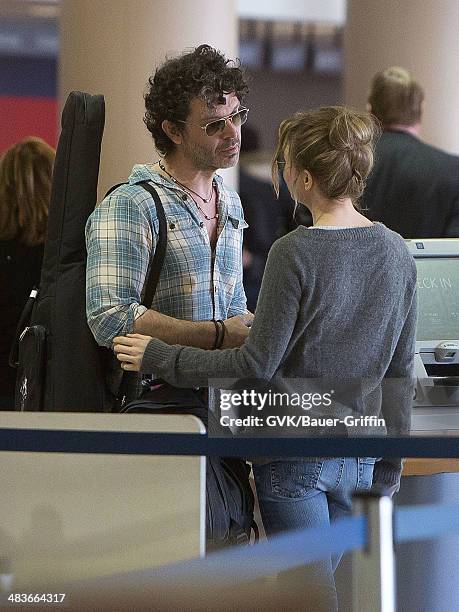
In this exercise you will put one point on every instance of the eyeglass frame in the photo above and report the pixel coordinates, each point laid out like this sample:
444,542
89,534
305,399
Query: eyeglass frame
225,119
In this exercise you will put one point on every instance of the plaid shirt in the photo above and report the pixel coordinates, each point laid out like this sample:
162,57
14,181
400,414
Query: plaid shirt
194,284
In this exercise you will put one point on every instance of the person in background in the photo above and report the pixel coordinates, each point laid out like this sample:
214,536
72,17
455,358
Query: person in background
268,217
414,187
25,190
337,302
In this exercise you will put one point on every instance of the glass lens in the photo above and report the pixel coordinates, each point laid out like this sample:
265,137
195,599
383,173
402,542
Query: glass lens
240,117
218,126
215,126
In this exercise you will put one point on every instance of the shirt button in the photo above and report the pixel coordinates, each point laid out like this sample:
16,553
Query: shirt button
215,289
171,225
184,197
201,224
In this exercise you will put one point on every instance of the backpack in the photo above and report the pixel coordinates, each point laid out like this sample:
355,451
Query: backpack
229,503
54,342
229,496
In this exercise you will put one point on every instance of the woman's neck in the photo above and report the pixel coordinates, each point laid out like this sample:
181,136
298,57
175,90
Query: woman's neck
339,213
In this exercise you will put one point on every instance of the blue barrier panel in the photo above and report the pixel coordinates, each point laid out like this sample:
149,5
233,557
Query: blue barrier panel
199,444
425,522
301,547
243,563
286,551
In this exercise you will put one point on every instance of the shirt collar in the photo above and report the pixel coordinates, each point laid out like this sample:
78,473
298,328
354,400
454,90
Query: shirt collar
145,172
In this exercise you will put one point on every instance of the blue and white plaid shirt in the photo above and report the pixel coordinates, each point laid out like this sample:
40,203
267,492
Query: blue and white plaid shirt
122,231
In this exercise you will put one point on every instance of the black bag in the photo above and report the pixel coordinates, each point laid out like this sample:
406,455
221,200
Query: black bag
31,368
229,496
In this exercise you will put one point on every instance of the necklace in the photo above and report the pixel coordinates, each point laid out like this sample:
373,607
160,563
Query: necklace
203,213
205,200
190,191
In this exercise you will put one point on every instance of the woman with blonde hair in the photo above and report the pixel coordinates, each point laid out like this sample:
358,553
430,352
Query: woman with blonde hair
337,303
25,189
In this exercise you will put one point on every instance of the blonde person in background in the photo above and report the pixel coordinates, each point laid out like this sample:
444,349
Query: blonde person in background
25,189
337,301
413,187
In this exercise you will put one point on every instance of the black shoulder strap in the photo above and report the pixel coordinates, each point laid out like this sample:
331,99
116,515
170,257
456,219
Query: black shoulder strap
156,258
129,387
112,189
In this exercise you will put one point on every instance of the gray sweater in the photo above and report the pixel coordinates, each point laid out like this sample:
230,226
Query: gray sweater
338,304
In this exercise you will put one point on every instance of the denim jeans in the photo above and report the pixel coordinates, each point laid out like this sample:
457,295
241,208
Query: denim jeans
301,494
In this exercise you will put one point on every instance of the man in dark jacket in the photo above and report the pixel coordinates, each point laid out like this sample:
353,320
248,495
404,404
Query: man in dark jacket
414,187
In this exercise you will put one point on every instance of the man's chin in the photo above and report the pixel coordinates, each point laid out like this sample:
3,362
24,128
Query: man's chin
228,161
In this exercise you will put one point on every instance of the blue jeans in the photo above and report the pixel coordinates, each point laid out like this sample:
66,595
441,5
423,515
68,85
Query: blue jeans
301,494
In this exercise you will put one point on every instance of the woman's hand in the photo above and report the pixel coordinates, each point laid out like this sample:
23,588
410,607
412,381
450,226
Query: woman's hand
130,349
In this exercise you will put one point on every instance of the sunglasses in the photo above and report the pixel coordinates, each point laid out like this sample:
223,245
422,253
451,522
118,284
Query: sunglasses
237,118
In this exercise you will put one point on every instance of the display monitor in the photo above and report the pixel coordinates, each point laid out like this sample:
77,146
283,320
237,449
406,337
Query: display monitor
438,298
437,263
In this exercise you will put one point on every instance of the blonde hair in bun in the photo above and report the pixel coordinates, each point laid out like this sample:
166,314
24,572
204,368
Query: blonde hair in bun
335,143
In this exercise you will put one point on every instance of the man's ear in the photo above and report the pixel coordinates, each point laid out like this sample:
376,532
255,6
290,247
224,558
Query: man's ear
172,131
307,180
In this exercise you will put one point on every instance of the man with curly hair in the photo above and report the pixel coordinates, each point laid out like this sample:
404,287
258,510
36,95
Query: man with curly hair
194,112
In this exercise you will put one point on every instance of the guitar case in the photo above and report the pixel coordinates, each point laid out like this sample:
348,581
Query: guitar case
60,366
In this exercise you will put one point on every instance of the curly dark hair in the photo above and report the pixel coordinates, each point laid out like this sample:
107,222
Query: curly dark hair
203,73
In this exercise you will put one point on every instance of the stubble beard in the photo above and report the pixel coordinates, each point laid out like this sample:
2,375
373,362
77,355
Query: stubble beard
207,159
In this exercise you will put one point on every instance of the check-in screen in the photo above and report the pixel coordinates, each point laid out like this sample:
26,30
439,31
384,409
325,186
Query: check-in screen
438,298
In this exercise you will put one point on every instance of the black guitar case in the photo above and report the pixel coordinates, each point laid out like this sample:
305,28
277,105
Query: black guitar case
61,368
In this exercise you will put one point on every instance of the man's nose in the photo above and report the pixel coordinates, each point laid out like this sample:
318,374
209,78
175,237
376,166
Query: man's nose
230,131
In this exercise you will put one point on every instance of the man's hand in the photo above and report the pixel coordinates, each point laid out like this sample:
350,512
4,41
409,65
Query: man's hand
237,330
130,349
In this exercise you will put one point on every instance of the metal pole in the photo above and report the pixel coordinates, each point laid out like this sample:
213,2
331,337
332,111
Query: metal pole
373,567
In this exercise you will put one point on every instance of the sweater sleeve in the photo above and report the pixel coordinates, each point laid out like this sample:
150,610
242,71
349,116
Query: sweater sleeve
263,350
397,400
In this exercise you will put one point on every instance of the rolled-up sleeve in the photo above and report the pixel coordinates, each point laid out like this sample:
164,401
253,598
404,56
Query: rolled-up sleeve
119,240
238,304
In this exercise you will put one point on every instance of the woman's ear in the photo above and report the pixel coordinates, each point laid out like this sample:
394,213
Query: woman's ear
307,180
172,131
